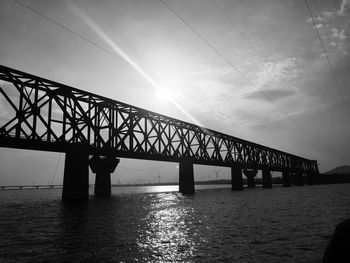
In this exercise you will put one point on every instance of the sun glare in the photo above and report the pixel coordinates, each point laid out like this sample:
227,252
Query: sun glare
166,94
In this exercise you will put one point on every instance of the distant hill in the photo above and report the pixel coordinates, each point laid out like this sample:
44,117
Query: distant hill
345,169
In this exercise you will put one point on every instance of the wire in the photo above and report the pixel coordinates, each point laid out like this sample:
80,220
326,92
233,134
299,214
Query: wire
247,79
327,57
255,48
323,23
71,31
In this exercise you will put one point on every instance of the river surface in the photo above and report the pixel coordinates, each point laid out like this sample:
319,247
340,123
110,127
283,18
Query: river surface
157,224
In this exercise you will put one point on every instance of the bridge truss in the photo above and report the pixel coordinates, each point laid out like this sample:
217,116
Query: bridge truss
40,114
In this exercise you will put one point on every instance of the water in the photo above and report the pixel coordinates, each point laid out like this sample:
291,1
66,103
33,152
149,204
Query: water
142,224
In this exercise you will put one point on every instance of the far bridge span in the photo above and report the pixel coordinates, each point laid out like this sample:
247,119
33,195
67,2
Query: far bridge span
40,114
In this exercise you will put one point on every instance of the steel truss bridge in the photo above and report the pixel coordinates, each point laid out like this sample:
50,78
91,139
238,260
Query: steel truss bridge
41,114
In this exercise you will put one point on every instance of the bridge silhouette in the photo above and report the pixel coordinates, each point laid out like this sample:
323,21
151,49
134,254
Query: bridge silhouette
41,114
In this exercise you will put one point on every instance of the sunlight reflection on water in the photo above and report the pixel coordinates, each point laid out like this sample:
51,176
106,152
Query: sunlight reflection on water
169,234
159,188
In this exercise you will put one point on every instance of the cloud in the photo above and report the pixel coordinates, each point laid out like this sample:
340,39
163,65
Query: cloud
343,7
327,14
338,42
330,14
332,21
274,94
336,33
205,69
316,19
277,71
319,21
332,44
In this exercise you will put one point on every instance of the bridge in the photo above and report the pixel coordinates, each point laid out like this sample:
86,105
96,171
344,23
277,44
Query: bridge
21,187
93,130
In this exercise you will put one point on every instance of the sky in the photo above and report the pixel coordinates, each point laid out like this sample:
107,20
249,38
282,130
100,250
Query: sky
263,71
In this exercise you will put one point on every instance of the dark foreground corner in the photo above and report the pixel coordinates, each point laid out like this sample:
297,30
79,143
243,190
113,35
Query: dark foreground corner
338,248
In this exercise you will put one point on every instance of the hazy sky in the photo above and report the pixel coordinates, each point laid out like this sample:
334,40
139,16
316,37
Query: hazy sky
253,69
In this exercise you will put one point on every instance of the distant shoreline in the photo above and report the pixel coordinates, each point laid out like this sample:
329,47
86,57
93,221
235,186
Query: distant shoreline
224,181
327,179
28,187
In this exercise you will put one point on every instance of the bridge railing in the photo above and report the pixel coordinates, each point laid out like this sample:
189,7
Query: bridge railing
42,111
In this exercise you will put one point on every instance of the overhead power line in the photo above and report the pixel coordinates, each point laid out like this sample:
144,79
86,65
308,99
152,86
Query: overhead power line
323,23
328,60
199,36
238,71
248,40
70,30
255,48
223,57
238,29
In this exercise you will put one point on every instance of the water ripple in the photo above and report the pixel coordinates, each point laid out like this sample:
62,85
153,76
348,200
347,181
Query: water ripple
272,225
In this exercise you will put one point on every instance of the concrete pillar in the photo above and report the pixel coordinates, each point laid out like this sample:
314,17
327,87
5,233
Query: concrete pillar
310,179
266,179
286,179
298,179
76,174
186,176
250,174
103,167
236,178
319,178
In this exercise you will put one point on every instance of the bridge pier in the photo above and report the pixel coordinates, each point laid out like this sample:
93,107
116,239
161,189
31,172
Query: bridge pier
319,178
298,179
286,179
76,174
266,179
103,167
186,176
250,174
310,179
236,178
